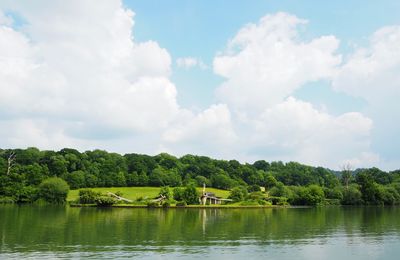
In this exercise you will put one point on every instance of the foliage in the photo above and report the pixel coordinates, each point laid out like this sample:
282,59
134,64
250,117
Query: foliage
99,168
54,190
254,188
88,196
166,192
178,193
352,196
190,195
6,200
105,201
152,204
181,204
238,194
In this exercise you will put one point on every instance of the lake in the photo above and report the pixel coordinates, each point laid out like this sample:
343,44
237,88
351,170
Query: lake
48,232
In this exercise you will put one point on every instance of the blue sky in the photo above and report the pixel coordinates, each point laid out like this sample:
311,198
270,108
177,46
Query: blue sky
309,81
202,28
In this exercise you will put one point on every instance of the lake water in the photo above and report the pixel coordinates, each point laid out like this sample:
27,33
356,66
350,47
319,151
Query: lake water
46,232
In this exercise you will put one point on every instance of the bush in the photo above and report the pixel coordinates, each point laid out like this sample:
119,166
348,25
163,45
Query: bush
166,192
280,190
54,190
238,194
282,201
256,196
190,195
181,204
254,188
152,204
6,200
332,202
26,194
105,201
352,196
335,193
312,195
249,203
264,202
166,204
119,193
88,196
178,193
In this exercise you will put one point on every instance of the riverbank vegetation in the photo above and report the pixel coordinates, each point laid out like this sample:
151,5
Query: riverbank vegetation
30,175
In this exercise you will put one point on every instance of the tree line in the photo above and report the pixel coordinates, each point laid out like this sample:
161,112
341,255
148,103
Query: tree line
23,171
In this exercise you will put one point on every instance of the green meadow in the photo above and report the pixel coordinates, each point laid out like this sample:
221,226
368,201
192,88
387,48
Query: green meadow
134,193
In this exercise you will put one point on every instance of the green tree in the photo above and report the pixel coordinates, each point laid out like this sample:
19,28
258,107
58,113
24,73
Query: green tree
190,195
238,194
352,196
54,190
178,194
76,179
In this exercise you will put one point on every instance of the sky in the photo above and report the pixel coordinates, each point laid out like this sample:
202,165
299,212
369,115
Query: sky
310,81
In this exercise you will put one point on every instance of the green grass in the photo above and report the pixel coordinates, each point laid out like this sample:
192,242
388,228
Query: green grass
135,192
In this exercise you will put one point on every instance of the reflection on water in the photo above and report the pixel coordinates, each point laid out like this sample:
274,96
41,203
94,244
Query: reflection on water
302,233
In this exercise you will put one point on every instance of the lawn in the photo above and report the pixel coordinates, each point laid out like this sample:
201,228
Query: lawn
135,192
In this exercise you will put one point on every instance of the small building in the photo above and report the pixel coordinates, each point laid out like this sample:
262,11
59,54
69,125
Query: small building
210,197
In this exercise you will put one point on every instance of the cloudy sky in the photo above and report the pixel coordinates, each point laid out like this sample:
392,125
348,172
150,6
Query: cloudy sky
306,81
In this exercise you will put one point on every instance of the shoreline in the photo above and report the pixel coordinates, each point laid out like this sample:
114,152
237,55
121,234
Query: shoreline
190,206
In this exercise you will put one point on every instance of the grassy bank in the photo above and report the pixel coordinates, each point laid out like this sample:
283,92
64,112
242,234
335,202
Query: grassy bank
134,193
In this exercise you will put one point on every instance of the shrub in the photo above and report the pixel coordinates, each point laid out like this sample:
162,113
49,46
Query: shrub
166,204
178,193
26,194
332,202
282,201
249,203
335,193
119,193
254,188
238,194
352,196
54,190
105,201
88,196
190,195
166,192
256,196
152,204
6,200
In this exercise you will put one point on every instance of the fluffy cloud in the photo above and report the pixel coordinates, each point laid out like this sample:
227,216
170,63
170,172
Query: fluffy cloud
298,131
265,62
209,132
82,65
263,65
372,73
73,75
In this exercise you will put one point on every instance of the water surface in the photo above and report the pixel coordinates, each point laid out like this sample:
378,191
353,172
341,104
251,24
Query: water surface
48,232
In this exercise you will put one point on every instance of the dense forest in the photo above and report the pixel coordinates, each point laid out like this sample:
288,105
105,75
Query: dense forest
25,174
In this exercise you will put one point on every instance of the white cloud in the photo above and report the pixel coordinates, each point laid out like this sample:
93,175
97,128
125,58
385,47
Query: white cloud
74,75
263,65
298,131
83,65
209,132
373,72
190,62
265,62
